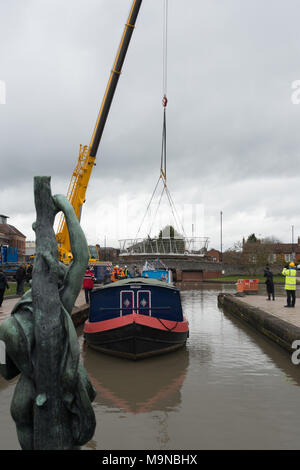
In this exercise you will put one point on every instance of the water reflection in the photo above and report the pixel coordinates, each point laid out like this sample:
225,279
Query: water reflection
276,354
137,387
163,437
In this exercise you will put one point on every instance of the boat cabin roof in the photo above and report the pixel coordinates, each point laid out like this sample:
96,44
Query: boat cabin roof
139,280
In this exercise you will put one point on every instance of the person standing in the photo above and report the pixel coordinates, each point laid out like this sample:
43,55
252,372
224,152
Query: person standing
29,273
290,284
88,283
20,278
121,273
269,283
136,271
107,274
3,285
115,275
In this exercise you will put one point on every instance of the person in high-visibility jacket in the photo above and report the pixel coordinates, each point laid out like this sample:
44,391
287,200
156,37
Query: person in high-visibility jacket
121,274
290,284
115,275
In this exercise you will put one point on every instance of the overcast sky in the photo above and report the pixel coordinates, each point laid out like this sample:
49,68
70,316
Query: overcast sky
233,131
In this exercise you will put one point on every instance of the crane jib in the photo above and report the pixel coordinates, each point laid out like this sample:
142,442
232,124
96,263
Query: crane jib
81,175
114,77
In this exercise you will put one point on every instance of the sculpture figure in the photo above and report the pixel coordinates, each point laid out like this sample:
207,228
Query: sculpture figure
51,405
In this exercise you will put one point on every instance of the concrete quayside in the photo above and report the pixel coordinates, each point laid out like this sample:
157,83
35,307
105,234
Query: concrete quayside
80,311
270,318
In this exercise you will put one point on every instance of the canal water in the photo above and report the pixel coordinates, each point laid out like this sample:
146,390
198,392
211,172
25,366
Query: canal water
230,388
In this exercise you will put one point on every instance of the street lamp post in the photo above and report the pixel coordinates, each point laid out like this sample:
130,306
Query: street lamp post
293,251
221,236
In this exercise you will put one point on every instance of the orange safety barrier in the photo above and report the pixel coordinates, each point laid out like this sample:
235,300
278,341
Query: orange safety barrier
248,285
240,285
251,284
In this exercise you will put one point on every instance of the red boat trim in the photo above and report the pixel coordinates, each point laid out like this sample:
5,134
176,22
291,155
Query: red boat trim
144,407
151,322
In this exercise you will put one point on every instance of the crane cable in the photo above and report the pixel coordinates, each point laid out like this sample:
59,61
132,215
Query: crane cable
164,102
163,162
165,47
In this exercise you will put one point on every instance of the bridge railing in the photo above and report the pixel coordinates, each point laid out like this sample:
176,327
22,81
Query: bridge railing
159,246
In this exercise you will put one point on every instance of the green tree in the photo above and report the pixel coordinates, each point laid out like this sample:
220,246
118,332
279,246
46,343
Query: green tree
168,232
170,241
252,238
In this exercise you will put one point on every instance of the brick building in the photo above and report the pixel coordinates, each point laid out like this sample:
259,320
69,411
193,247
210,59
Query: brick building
11,236
271,253
213,255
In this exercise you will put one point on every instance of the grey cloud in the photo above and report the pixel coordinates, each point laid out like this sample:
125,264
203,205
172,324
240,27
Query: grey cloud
230,118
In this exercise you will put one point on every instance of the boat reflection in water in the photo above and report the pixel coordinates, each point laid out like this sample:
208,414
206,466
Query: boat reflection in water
137,387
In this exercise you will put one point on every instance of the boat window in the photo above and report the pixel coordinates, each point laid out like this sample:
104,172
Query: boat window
144,302
126,302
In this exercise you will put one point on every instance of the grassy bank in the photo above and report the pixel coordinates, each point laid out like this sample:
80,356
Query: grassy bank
260,277
13,289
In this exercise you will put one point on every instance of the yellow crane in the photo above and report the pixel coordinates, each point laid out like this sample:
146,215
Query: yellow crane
87,154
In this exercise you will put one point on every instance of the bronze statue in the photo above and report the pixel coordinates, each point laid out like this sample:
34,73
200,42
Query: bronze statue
51,405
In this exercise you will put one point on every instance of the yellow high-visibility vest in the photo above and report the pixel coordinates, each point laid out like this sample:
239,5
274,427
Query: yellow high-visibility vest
290,278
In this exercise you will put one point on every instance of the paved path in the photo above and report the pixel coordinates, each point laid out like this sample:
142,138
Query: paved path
8,305
275,307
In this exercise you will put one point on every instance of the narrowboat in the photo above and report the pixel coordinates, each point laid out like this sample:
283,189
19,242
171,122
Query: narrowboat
136,318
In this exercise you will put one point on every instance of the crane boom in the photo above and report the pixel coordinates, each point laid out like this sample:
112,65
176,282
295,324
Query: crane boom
87,155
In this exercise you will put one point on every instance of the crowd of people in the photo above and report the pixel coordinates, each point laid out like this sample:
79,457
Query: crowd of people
116,273
111,274
119,273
